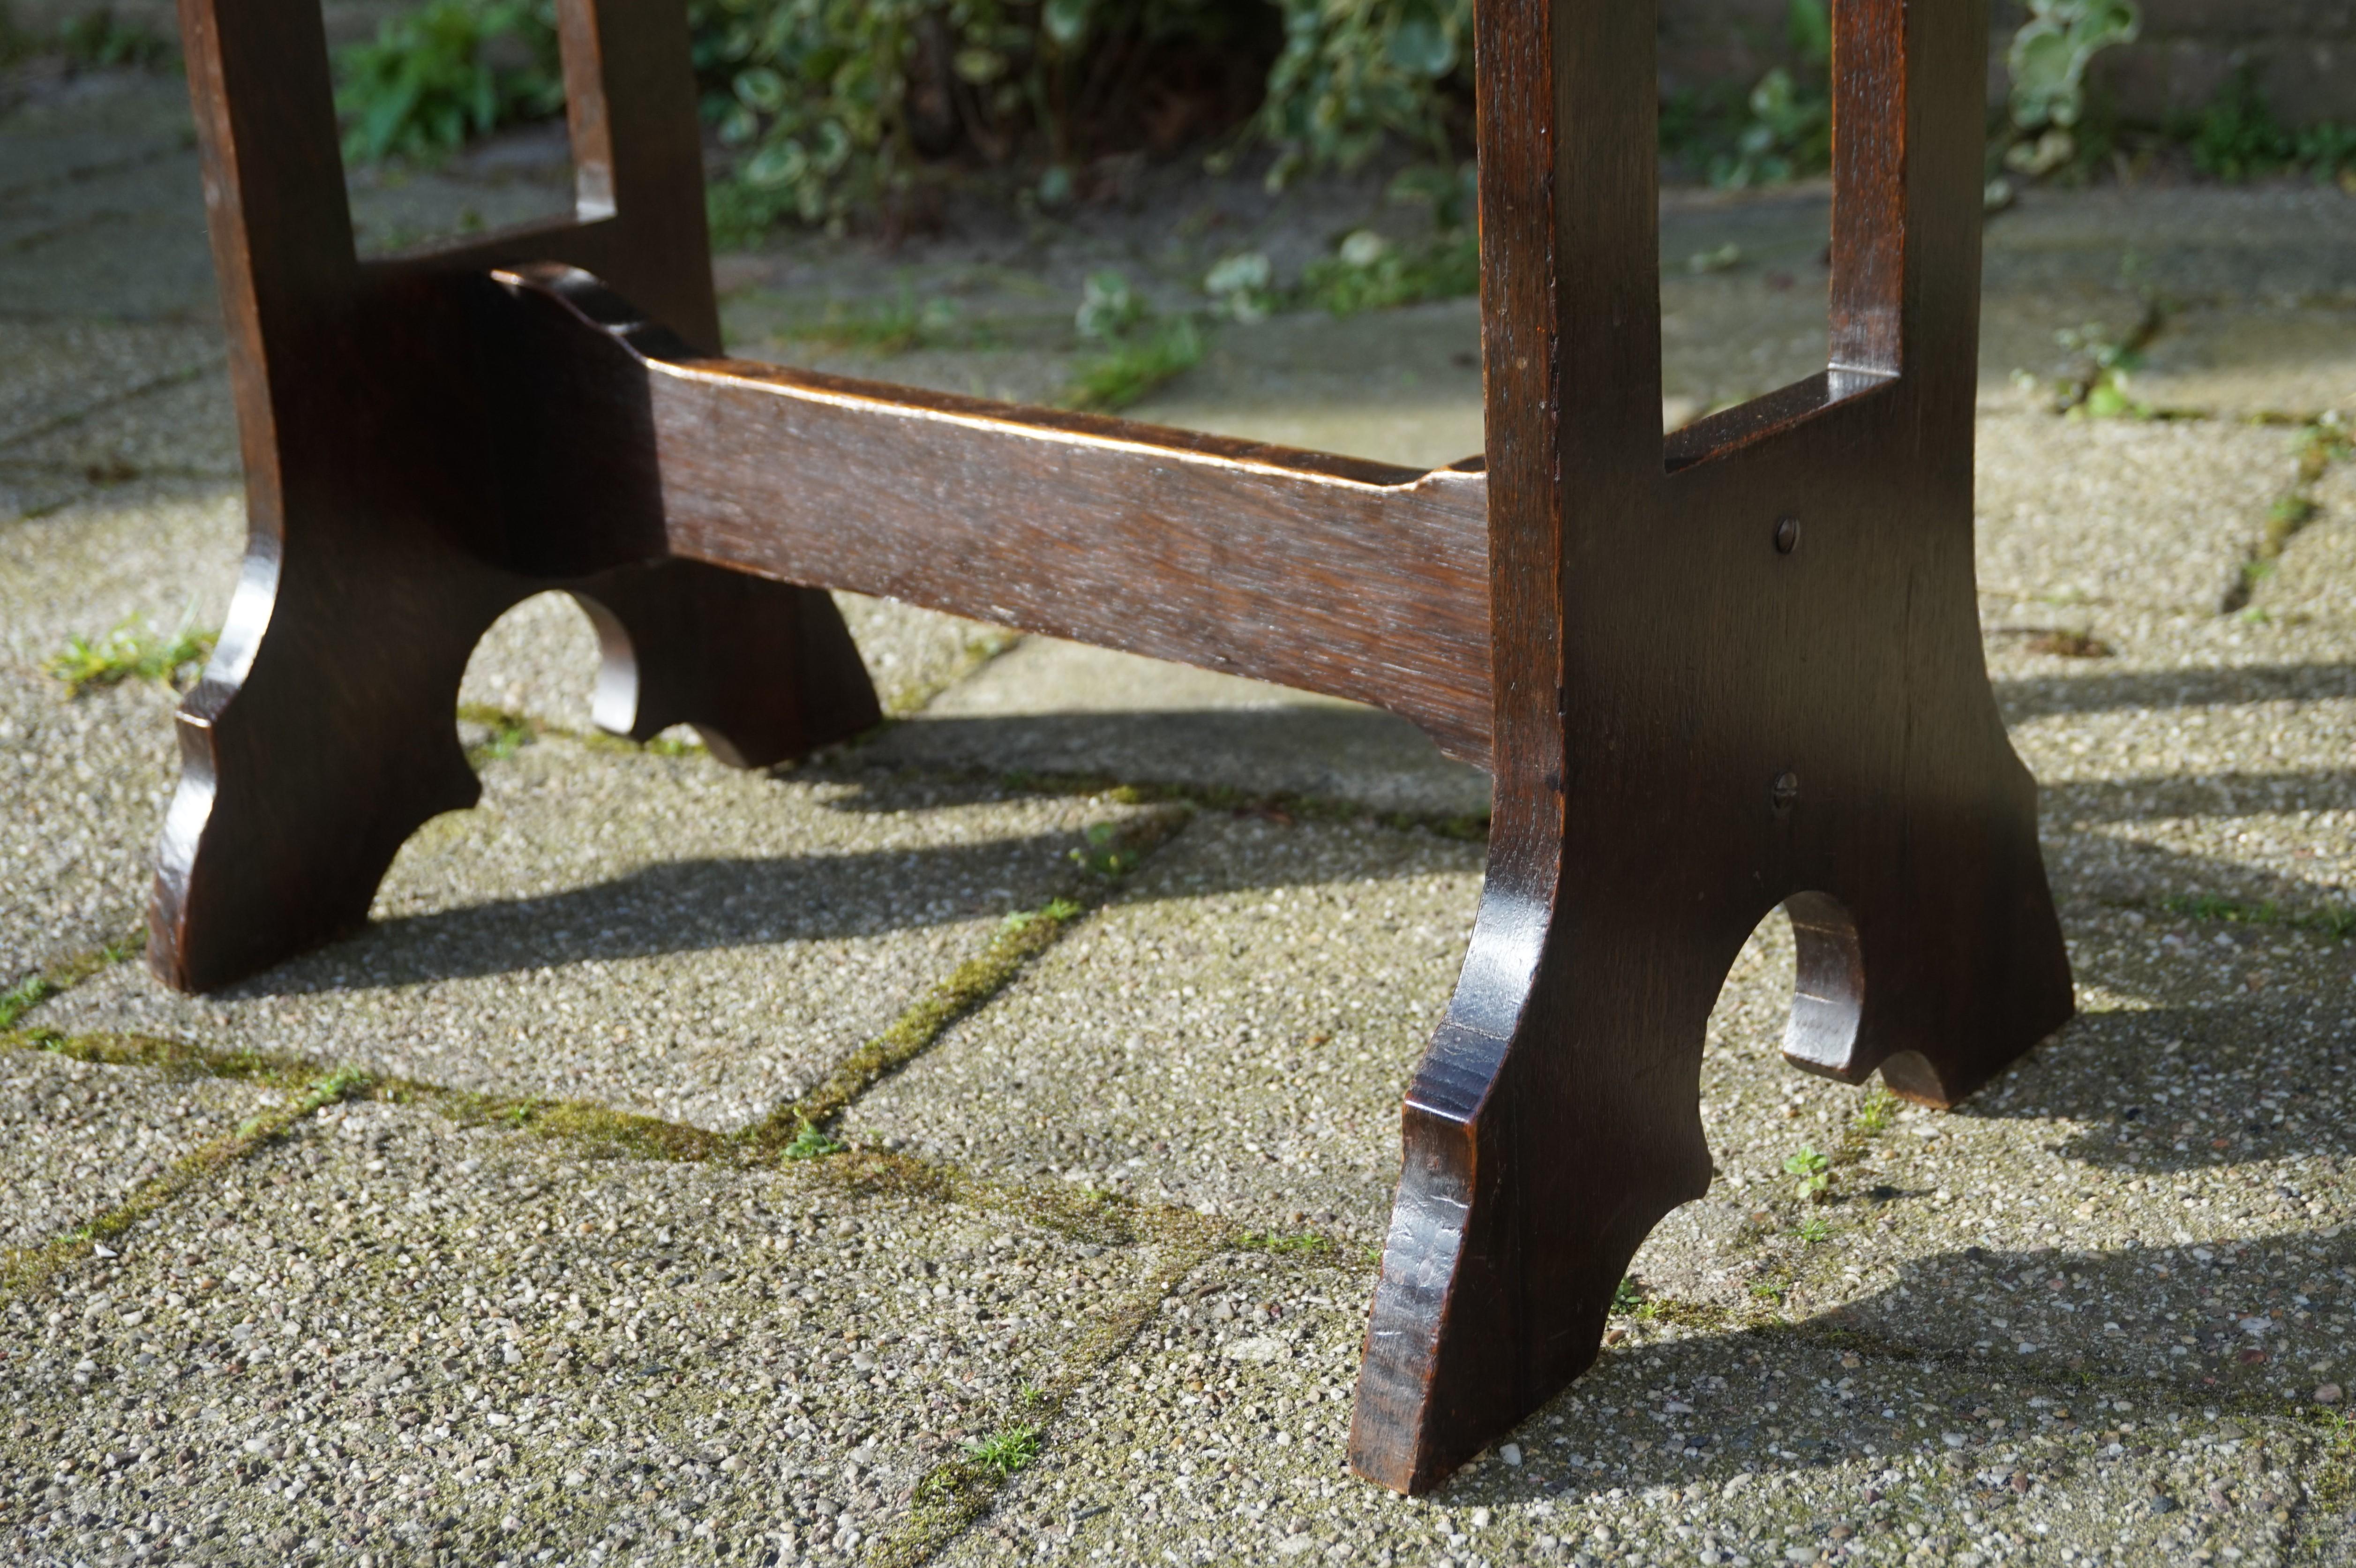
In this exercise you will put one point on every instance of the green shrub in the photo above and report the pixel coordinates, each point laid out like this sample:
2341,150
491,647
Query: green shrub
1355,72
435,77
2238,136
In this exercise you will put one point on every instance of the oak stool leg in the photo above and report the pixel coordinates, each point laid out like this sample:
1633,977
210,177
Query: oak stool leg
1735,669
383,536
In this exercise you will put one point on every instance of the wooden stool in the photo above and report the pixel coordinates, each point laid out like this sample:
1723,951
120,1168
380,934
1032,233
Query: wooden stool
1709,674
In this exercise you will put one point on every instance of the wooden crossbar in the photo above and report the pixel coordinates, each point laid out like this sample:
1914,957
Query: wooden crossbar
1333,575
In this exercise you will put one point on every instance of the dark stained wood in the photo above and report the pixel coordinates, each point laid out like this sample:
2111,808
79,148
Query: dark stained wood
1709,674
1694,725
1328,574
322,733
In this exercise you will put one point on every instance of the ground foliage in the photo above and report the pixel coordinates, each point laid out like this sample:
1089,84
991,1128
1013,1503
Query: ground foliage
837,110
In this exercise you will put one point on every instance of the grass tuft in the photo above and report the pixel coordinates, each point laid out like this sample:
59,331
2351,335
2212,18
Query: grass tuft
127,653
2337,921
1136,366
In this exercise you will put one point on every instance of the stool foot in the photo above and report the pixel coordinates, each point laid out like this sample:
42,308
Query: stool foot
320,738
766,672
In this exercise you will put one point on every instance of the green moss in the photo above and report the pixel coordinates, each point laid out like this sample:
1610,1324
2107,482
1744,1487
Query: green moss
1136,366
127,653
27,1269
63,975
2337,921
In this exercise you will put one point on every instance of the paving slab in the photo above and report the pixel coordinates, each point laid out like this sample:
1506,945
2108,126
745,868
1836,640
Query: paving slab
2236,360
658,934
1053,707
77,1137
393,1337
182,425
1795,1442
86,784
2153,516
1233,1034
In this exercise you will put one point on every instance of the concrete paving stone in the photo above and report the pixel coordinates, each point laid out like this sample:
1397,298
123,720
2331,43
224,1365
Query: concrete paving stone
57,374
1233,1034
1055,708
658,934
86,782
2152,515
106,217
146,552
2315,580
2267,240
77,1137
2240,359
1220,1436
2209,757
387,1337
184,425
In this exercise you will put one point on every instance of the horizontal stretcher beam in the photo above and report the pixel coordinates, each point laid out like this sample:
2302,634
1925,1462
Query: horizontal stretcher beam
615,441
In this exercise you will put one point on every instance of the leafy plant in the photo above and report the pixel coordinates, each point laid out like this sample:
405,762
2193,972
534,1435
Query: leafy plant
125,653
1143,351
1354,72
435,77
2049,55
2238,136
1790,128
810,1143
1368,272
97,40
1813,1229
1814,1171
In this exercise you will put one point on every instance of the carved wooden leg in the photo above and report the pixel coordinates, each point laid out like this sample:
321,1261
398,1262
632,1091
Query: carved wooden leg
1947,969
1556,1119
320,738
766,672
1551,1125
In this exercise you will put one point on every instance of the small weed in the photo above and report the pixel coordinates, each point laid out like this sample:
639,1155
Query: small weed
1105,854
2069,644
2336,1485
510,734
2333,920
1814,1171
893,327
810,1143
1629,1300
1813,1229
1370,273
431,80
1306,1243
1006,1452
1878,1112
1159,352
124,654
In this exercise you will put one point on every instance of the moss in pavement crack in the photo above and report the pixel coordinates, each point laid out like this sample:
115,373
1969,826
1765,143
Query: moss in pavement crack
26,1269
954,1493
1020,938
63,977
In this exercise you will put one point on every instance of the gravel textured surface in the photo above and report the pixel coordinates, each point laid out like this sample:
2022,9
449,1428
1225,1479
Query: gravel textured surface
659,934
77,1137
389,1336
1234,1034
1052,708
